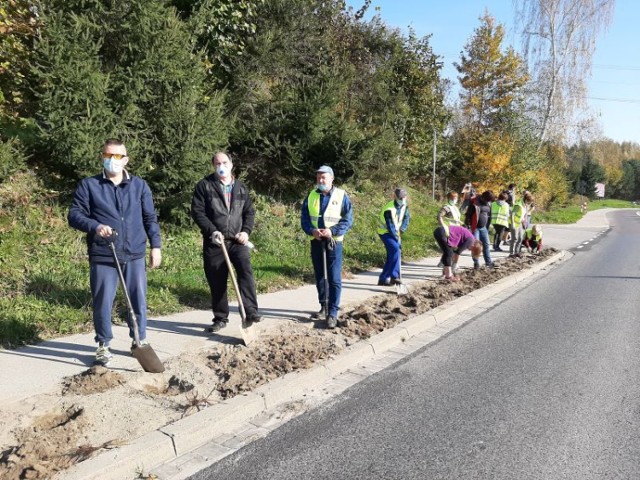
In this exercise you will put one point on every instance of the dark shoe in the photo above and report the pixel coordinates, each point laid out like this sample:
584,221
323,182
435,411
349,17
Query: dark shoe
254,318
492,265
342,322
332,322
318,315
396,281
382,283
218,324
476,266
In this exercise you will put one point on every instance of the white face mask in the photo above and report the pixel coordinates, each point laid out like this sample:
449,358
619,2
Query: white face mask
223,171
112,165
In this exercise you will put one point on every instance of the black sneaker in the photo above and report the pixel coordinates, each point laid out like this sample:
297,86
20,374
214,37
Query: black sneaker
396,281
332,322
382,283
318,315
492,265
254,317
218,324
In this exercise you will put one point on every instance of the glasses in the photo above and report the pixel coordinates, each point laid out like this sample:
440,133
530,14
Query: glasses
115,156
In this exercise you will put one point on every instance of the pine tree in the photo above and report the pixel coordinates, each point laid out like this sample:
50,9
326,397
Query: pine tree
126,68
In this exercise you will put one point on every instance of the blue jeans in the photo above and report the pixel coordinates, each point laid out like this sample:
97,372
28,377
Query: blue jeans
482,234
391,267
334,274
104,279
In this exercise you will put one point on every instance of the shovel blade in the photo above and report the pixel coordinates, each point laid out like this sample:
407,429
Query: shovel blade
401,289
248,333
148,359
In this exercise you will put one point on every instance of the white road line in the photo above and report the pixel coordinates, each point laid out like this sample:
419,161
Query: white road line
579,246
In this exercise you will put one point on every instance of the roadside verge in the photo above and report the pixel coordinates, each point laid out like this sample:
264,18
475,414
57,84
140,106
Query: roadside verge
193,432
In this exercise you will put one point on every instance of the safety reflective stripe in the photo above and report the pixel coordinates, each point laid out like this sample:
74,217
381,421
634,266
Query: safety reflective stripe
395,218
333,212
500,214
454,219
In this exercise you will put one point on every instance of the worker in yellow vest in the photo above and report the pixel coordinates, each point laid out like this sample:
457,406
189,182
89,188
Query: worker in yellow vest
325,217
516,227
533,238
500,213
393,221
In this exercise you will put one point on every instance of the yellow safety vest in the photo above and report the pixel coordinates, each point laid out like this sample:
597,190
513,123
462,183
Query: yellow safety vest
530,235
397,220
518,213
332,214
454,219
500,214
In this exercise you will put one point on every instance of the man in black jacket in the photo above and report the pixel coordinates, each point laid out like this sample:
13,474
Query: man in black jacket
221,205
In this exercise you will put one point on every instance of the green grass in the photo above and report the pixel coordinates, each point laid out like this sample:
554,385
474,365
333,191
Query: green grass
44,288
572,213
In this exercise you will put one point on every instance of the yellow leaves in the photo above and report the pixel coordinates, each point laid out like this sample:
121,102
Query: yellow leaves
490,163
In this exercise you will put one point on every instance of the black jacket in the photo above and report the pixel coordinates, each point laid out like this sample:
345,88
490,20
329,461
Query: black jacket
209,209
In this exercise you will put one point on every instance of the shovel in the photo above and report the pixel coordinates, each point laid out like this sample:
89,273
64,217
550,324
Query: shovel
401,288
145,355
247,332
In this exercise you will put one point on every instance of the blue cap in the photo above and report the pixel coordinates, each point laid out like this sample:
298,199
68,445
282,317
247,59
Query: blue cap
325,169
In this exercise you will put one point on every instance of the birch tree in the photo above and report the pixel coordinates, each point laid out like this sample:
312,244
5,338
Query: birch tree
559,39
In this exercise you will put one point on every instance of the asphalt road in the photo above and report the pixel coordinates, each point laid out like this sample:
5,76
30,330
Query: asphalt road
543,386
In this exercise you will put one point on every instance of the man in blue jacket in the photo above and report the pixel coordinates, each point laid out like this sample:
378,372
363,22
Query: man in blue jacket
116,200
325,217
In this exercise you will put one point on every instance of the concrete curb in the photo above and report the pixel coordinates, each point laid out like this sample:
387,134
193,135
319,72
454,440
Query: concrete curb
182,436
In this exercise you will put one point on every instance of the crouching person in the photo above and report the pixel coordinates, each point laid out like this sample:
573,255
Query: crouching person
533,239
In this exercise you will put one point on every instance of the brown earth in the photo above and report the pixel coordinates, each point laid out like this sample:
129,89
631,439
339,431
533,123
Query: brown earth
100,409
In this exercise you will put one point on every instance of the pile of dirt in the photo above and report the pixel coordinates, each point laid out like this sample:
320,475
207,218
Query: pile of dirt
385,311
48,446
240,369
100,408
95,380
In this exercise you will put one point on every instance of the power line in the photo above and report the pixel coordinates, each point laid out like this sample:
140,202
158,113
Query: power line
619,100
616,67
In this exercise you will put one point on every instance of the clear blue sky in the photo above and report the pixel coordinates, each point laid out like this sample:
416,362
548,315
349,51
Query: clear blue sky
614,93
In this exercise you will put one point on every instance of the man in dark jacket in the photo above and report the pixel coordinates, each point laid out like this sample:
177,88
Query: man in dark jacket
221,205
116,200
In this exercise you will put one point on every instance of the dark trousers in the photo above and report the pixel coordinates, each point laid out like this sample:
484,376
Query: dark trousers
447,252
217,273
334,274
499,229
104,280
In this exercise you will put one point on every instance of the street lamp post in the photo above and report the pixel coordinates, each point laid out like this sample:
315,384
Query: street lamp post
433,183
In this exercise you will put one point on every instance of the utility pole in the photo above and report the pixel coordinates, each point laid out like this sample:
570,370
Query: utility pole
433,185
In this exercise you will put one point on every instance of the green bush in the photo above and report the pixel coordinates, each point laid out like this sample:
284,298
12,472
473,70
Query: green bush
12,158
144,84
